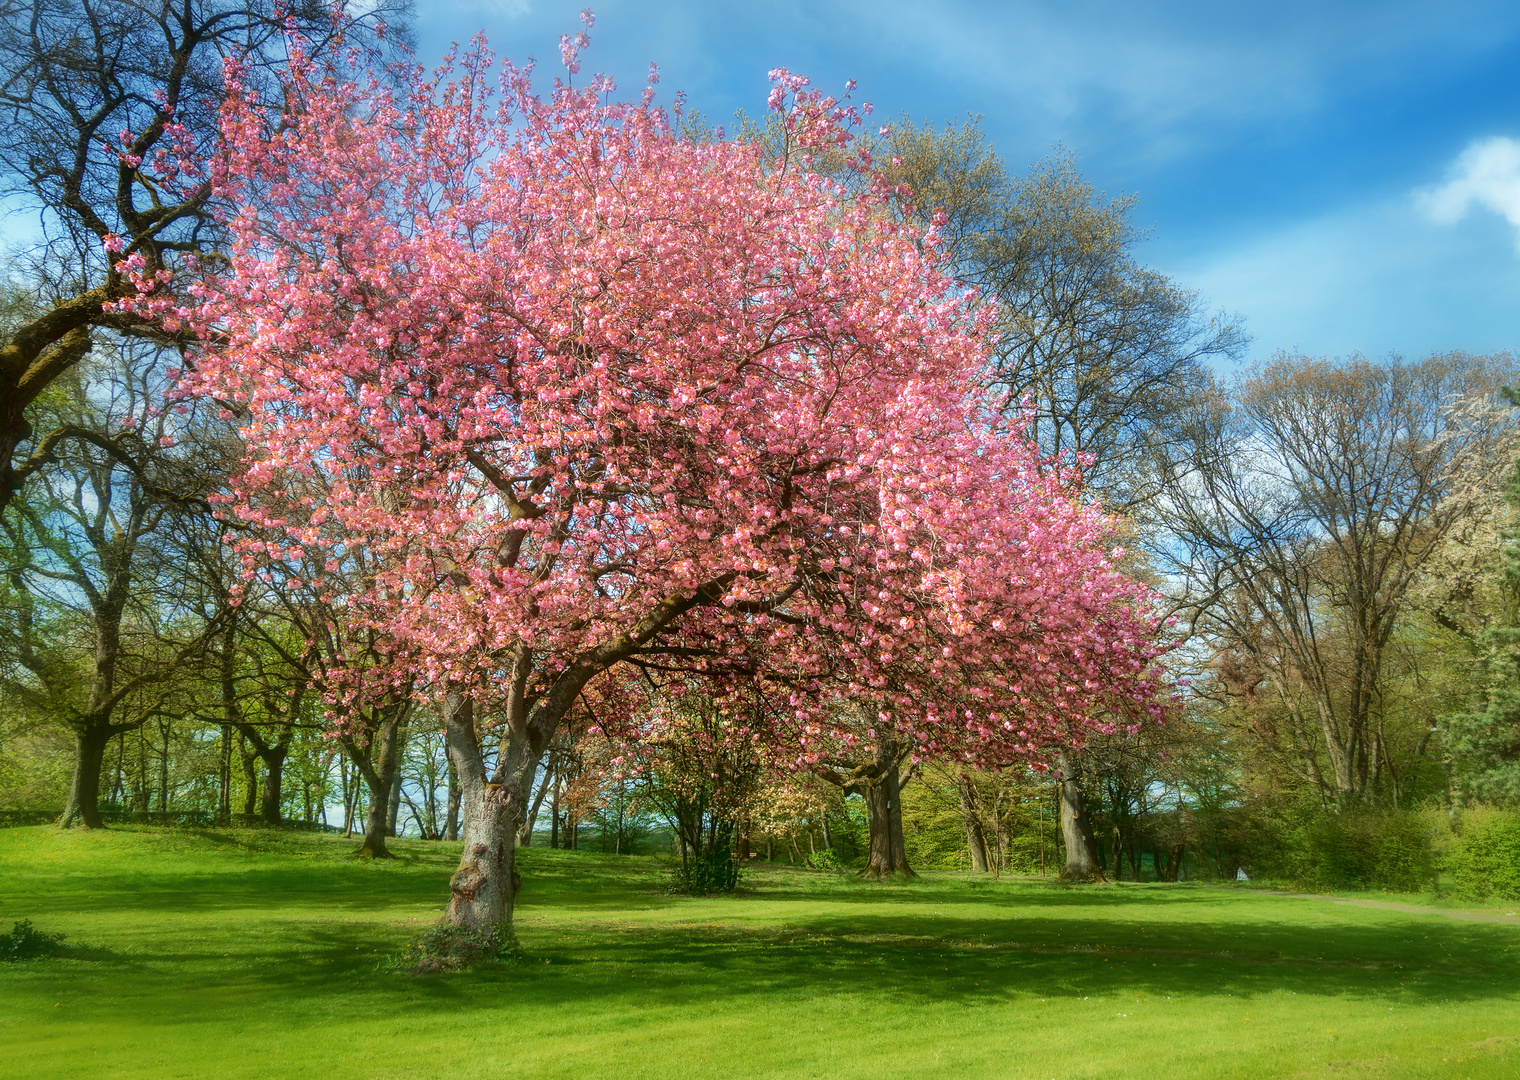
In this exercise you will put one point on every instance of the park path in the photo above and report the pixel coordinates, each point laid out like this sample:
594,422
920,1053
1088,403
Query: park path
1511,918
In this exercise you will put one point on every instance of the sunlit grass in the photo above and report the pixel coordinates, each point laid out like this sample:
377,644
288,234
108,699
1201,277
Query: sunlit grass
251,954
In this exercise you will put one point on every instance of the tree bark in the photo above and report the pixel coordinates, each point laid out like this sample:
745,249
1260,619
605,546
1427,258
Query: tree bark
393,806
1076,828
274,772
887,856
379,765
84,792
976,841
1174,862
451,825
250,778
484,887
224,779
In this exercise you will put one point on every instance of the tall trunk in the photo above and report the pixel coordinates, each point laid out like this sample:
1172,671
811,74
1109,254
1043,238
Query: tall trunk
350,790
84,792
380,767
451,826
393,807
976,841
887,855
274,772
250,778
1076,828
163,773
1174,862
224,779
484,888
1118,853
525,832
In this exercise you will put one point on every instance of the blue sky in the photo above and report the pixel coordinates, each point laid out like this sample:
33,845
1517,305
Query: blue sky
1346,176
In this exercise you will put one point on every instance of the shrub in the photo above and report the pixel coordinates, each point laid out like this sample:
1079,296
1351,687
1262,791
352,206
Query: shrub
26,942
705,873
1485,862
1359,848
445,947
824,860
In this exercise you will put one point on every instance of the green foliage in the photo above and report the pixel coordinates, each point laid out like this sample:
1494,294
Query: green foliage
934,834
1485,862
26,942
1485,741
711,870
445,947
824,860
1358,848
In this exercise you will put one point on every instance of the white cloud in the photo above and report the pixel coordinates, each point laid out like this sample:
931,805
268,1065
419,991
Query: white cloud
1486,173
1376,277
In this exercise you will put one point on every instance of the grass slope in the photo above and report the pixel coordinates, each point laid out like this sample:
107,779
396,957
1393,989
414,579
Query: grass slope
236,954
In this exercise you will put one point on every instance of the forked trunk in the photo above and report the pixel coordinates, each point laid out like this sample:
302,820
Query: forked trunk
380,774
884,816
1076,829
976,841
84,793
484,888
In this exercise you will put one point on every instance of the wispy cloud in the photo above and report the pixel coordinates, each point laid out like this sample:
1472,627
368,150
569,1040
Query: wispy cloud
1377,277
1486,173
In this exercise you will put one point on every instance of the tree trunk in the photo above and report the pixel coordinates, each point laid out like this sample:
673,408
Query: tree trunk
451,826
525,832
887,856
1076,828
250,778
380,771
274,772
484,888
976,841
1174,862
163,772
224,779
84,792
393,806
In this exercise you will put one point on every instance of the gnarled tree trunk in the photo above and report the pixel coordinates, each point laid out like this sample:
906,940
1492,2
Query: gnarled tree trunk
887,856
484,888
1076,827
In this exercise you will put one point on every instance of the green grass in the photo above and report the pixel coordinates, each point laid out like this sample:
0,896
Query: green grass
247,954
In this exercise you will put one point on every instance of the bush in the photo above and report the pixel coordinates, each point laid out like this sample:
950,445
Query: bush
706,872
824,860
1318,848
445,947
1485,862
26,942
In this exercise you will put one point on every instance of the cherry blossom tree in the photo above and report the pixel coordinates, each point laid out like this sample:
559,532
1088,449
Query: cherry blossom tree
590,393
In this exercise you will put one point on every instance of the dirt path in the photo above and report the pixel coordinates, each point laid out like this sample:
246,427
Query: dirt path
1509,918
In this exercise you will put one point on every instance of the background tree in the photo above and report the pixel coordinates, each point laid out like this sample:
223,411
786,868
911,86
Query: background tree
1306,507
108,109
100,631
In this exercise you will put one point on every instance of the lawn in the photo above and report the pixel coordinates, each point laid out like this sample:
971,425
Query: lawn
255,954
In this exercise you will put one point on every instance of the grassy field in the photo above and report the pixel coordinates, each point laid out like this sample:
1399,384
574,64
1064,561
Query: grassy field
248,954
